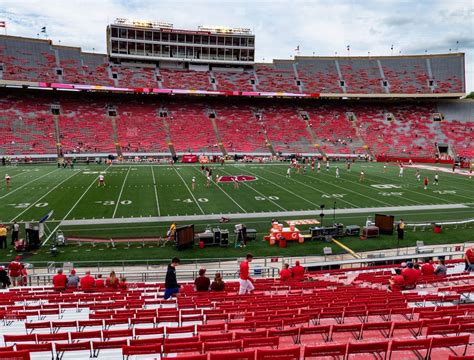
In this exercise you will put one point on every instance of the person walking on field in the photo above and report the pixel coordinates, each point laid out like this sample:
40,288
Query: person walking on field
400,229
15,232
101,180
245,281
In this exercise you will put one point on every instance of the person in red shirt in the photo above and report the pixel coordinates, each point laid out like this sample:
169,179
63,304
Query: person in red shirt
245,281
14,269
427,268
297,271
202,282
59,281
99,282
112,281
123,284
285,273
397,283
469,259
87,282
410,275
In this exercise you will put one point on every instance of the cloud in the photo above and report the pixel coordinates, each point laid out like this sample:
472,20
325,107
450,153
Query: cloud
317,26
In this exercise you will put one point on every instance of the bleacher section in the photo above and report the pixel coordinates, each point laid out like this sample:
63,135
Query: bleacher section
34,60
86,127
291,320
26,127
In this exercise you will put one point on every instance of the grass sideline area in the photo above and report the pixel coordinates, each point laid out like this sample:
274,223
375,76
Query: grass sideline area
145,191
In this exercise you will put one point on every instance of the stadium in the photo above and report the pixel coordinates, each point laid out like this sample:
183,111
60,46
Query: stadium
177,143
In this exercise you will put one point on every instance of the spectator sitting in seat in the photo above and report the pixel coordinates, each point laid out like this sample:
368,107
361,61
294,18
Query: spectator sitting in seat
410,275
218,284
441,269
297,271
285,273
427,268
202,282
123,284
99,282
4,279
72,280
469,259
397,283
112,281
87,282
59,281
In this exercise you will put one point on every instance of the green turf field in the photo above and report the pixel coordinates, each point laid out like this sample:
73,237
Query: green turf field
159,194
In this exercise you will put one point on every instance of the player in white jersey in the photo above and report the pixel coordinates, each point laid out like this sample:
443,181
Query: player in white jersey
319,166
384,168
327,165
400,174
7,180
436,179
288,172
418,175
193,183
209,180
236,182
362,176
338,175
101,180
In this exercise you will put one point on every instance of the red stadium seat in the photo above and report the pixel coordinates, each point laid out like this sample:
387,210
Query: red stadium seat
450,342
410,345
111,344
334,350
183,347
375,348
292,353
235,345
241,355
79,346
140,350
34,348
260,342
15,355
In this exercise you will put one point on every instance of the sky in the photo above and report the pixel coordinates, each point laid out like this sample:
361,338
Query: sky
321,28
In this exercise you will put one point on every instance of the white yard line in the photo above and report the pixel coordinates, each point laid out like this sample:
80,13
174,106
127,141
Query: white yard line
42,197
314,188
121,191
285,189
156,191
72,208
22,186
221,189
258,192
187,187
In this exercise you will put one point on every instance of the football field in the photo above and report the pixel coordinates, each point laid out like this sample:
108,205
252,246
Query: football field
135,191
143,199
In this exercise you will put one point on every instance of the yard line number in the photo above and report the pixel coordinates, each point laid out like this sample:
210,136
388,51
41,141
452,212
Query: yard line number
112,202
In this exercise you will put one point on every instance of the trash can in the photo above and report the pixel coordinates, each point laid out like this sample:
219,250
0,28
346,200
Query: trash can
437,228
257,270
283,243
201,244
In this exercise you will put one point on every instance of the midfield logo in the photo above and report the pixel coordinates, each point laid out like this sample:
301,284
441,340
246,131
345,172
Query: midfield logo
240,178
